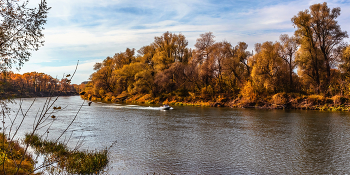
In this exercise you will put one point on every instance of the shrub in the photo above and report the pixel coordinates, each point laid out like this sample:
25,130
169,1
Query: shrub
10,157
101,92
280,98
114,99
192,96
166,102
221,98
133,98
316,99
248,93
293,95
338,100
207,91
329,100
144,98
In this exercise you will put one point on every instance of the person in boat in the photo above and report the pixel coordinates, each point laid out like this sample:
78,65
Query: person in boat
165,107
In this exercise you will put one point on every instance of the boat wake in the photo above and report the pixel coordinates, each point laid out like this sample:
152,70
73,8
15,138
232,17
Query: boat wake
118,106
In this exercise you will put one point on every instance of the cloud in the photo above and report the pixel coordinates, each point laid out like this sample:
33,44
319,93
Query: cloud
90,30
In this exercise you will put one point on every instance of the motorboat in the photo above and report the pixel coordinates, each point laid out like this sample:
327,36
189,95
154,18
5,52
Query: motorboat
165,107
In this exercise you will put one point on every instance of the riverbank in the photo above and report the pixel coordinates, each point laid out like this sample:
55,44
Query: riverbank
169,99
277,101
8,95
296,101
13,158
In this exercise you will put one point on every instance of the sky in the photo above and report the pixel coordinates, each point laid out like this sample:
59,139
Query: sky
91,30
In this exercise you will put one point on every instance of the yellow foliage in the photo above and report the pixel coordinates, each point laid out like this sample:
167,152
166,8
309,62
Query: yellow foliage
207,91
101,92
166,102
144,98
338,100
280,98
248,93
134,98
10,156
316,99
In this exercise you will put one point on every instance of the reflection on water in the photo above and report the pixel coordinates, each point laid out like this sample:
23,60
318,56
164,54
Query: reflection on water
194,140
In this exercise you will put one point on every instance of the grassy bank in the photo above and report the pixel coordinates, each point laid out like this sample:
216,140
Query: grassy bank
191,100
11,154
72,161
295,101
9,95
277,101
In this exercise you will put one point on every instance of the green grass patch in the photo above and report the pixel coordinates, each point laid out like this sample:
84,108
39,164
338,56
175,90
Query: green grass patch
72,161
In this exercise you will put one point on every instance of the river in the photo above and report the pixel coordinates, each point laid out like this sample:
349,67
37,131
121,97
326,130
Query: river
198,140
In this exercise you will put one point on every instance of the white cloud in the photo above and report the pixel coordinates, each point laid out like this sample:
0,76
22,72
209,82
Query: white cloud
79,29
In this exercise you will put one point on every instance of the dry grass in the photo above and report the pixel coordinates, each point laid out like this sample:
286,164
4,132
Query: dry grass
11,154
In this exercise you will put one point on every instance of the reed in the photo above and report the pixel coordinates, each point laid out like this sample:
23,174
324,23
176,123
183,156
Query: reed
72,161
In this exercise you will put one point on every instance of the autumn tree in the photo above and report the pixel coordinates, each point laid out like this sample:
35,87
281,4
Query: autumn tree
203,58
237,62
125,77
319,34
345,60
102,78
269,69
287,50
146,54
169,48
344,68
230,64
123,58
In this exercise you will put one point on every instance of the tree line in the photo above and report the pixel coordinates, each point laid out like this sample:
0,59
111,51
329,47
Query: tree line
315,60
32,84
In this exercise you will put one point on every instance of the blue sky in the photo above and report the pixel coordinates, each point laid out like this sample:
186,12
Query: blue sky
91,30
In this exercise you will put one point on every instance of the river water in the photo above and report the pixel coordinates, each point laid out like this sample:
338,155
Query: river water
197,140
